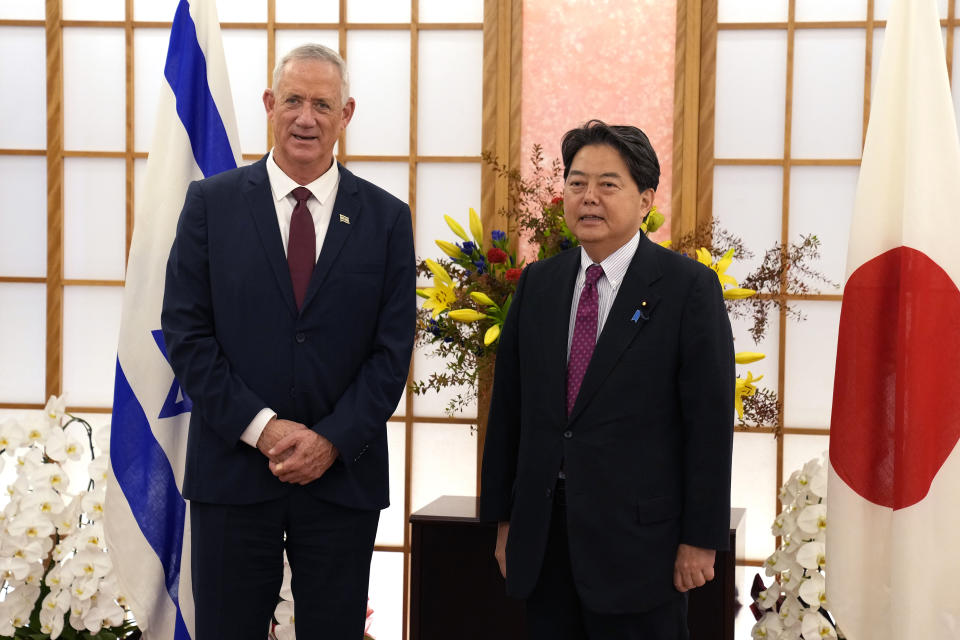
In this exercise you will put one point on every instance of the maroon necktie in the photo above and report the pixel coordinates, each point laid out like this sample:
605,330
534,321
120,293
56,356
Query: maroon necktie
301,245
584,334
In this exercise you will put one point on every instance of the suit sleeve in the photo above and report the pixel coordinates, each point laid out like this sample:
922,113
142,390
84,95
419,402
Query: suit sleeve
706,385
224,401
371,398
503,424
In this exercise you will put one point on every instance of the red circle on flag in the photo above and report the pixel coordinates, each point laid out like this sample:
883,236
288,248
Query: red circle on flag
896,398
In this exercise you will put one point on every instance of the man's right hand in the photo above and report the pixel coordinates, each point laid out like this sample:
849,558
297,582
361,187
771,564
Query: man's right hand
503,530
273,433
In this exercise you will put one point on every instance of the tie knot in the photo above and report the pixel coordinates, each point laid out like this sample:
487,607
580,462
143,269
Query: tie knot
301,194
594,272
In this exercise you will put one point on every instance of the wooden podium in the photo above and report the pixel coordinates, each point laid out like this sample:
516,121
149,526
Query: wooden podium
457,591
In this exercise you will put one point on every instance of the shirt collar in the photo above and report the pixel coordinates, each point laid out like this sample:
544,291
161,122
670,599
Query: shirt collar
281,184
616,264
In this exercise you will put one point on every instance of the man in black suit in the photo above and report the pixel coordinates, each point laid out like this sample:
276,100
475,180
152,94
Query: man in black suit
288,315
608,451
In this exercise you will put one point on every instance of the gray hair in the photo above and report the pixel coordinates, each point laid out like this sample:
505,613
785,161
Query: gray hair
319,53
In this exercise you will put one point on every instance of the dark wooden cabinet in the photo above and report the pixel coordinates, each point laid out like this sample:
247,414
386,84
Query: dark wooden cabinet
456,589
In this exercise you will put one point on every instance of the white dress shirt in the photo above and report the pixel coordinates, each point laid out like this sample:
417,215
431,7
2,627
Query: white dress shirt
614,269
323,193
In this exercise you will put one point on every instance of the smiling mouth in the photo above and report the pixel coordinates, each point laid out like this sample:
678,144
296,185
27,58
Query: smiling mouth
304,137
591,219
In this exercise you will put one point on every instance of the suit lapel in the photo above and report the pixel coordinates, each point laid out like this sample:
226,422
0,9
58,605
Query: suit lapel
347,205
630,312
264,212
555,310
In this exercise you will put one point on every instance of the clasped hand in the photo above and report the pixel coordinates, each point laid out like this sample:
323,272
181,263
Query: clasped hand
298,455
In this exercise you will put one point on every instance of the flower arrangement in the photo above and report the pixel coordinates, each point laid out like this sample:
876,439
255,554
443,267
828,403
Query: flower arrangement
283,626
472,289
794,606
57,574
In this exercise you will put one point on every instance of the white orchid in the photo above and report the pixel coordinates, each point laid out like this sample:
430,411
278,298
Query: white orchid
797,597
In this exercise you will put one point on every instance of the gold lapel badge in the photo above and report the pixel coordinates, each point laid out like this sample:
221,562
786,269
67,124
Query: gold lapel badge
344,219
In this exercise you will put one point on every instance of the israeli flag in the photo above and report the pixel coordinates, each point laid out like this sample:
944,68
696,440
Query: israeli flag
147,522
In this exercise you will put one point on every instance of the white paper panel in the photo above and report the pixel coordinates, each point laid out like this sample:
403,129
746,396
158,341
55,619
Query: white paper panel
828,93
800,449
392,176
23,326
288,40
434,404
393,521
22,10
99,10
378,11
881,9
386,595
830,10
242,10
821,203
754,488
770,346
444,463
450,101
751,93
246,53
955,77
94,94
446,11
379,67
300,11
23,216
443,188
744,621
23,73
94,218
747,202
91,324
154,10
149,57
811,357
752,11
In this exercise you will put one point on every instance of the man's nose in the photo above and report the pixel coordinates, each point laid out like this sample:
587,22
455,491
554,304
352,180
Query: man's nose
305,113
590,193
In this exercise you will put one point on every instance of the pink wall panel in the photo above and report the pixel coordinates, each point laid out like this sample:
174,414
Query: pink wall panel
606,59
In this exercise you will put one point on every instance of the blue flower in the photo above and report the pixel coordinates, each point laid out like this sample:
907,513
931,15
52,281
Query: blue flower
498,235
468,248
481,266
565,244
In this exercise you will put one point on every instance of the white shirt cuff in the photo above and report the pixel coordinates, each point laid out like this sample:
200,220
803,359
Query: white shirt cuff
252,433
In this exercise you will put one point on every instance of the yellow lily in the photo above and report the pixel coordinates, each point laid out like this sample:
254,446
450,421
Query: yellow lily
476,228
720,267
746,357
666,244
736,293
456,228
439,273
441,295
483,299
466,315
743,390
451,249
491,335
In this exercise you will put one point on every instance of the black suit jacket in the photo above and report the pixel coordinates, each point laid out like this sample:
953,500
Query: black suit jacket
647,448
238,344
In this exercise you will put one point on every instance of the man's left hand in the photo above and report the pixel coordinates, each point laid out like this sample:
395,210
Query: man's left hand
693,568
308,456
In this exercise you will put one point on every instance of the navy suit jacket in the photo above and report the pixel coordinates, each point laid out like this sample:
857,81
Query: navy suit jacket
238,344
647,448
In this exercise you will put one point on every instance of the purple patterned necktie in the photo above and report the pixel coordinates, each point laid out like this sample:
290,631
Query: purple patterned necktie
301,245
584,335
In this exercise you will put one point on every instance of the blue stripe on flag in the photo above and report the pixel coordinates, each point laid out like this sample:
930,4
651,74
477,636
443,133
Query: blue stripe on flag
186,71
147,480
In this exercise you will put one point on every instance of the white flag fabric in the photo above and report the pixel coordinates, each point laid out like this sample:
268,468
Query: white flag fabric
146,521
892,552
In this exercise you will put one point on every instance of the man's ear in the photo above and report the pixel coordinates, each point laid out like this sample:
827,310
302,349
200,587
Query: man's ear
269,101
646,200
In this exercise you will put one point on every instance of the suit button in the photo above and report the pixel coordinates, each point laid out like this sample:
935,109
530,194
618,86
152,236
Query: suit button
293,391
549,493
300,338
568,434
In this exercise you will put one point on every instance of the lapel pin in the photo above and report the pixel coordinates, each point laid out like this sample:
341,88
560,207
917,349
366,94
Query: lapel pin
344,219
638,314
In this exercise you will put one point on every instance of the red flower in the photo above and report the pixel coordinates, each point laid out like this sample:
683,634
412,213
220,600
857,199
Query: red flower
497,256
557,200
512,275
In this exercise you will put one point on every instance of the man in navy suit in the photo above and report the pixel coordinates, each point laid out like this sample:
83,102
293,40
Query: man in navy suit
288,315
608,451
